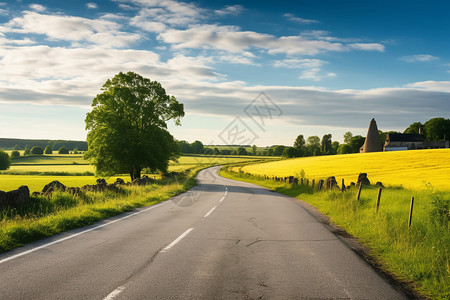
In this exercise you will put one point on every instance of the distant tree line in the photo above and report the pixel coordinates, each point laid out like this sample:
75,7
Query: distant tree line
36,150
20,144
435,129
197,147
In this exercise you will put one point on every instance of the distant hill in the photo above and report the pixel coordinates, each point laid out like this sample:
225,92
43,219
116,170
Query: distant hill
9,144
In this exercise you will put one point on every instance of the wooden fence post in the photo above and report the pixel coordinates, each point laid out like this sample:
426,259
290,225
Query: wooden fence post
319,187
359,192
379,198
313,181
302,180
343,185
410,211
307,182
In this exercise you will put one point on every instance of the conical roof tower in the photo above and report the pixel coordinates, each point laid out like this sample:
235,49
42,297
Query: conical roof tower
372,143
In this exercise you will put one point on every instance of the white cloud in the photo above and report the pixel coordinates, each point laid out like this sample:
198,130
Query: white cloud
236,59
311,68
37,7
314,74
233,39
295,63
367,46
3,12
127,7
91,5
168,12
72,29
147,20
441,86
419,58
25,41
293,18
230,10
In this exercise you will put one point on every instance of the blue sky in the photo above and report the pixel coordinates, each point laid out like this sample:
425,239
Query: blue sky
272,69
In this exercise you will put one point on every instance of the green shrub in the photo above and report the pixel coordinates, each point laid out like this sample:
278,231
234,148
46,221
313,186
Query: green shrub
15,154
27,151
37,150
63,150
344,149
48,149
75,151
5,160
278,150
290,152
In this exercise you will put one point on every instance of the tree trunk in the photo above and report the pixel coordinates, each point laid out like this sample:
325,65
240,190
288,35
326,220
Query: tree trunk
135,173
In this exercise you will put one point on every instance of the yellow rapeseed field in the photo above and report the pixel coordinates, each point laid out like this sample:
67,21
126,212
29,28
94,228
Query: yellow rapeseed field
411,169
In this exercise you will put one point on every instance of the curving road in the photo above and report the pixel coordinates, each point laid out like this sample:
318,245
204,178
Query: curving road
222,240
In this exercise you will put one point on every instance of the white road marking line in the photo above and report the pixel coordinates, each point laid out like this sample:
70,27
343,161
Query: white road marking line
223,198
114,293
77,234
177,240
210,211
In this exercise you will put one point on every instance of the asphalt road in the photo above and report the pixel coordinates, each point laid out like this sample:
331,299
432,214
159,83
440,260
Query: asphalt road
222,240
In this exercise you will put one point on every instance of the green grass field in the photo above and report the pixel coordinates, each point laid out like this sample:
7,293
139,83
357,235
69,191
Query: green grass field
54,159
36,182
70,169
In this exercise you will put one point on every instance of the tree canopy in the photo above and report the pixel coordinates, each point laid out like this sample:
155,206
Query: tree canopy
197,147
37,150
278,150
63,150
313,145
348,137
128,126
5,160
413,128
437,129
326,144
48,150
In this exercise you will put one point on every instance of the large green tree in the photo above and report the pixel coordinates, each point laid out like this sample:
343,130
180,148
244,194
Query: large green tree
313,146
413,128
48,149
344,149
197,147
128,126
5,160
326,144
278,150
185,147
348,137
437,129
356,143
299,145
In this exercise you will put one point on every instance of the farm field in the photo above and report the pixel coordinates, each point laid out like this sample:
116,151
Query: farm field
33,170
415,170
36,182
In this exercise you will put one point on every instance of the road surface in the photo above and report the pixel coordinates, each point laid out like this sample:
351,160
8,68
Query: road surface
222,240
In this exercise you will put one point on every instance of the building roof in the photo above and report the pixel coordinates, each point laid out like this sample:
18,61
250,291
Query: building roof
404,137
372,143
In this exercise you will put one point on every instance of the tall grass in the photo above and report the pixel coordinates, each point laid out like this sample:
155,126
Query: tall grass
420,254
46,216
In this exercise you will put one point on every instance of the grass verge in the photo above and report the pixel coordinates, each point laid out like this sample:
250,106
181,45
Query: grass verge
418,256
